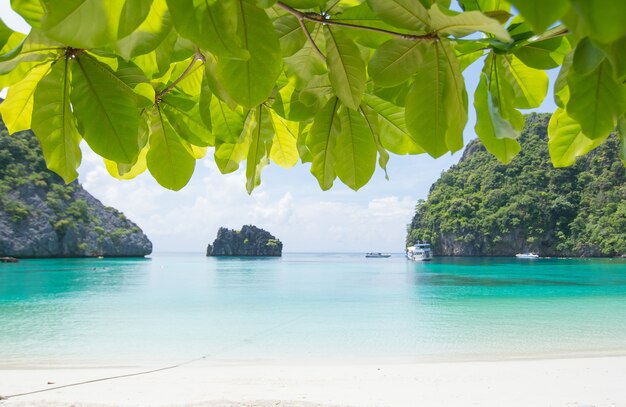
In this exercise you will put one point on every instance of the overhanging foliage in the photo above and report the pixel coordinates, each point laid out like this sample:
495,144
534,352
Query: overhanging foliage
151,84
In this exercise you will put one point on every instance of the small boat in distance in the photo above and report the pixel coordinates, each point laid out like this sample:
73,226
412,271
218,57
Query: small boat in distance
527,256
419,252
377,255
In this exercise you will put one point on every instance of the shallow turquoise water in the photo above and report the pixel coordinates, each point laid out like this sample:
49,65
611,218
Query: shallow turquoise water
319,308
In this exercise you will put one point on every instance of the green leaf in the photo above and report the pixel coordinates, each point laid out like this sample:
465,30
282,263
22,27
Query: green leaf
617,57
394,135
530,86
541,14
290,34
436,105
5,35
213,84
307,62
566,140
363,15
53,122
497,134
304,4
265,3
395,95
150,34
126,171
321,142
183,48
502,97
106,108
484,5
133,13
317,92
500,16
251,82
21,53
260,146
210,24
520,31
395,62
11,43
17,109
156,64
284,150
136,82
169,159
596,100
227,123
303,150
191,83
408,14
371,118
184,116
587,57
604,18
561,89
546,54
229,155
356,148
204,103
92,23
31,10
288,104
469,51
466,23
197,152
346,68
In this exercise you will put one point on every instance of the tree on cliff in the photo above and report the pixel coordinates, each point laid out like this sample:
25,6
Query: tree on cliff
150,84
41,216
481,207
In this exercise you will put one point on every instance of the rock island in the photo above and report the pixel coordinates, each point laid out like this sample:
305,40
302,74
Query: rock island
249,241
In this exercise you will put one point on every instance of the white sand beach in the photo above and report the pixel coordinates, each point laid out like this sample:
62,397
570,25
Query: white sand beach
594,381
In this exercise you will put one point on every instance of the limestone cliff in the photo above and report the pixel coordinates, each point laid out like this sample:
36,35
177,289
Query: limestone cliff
480,207
249,241
40,216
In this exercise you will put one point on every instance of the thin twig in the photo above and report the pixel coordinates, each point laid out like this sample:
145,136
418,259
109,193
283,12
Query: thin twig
558,31
310,38
196,57
199,55
320,19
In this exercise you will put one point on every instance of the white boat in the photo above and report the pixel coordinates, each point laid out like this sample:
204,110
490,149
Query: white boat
419,252
376,255
527,256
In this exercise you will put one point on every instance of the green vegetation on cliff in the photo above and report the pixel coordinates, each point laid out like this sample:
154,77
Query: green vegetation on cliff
40,216
249,241
482,207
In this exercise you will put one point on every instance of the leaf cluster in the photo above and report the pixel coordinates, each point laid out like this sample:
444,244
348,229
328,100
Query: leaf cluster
153,84
482,207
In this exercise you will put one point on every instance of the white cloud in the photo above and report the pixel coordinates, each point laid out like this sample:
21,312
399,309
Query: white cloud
353,226
288,204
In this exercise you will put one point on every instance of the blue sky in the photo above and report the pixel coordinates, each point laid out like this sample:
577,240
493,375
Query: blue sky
289,203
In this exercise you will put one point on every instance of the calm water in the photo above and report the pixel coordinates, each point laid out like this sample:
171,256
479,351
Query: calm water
319,308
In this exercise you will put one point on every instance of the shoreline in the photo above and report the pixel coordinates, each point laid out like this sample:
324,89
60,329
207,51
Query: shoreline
577,381
314,361
215,361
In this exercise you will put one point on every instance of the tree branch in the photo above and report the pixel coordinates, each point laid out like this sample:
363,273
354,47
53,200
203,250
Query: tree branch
320,19
310,38
196,57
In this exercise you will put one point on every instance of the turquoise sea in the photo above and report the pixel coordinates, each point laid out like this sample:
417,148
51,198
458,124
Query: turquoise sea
322,308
